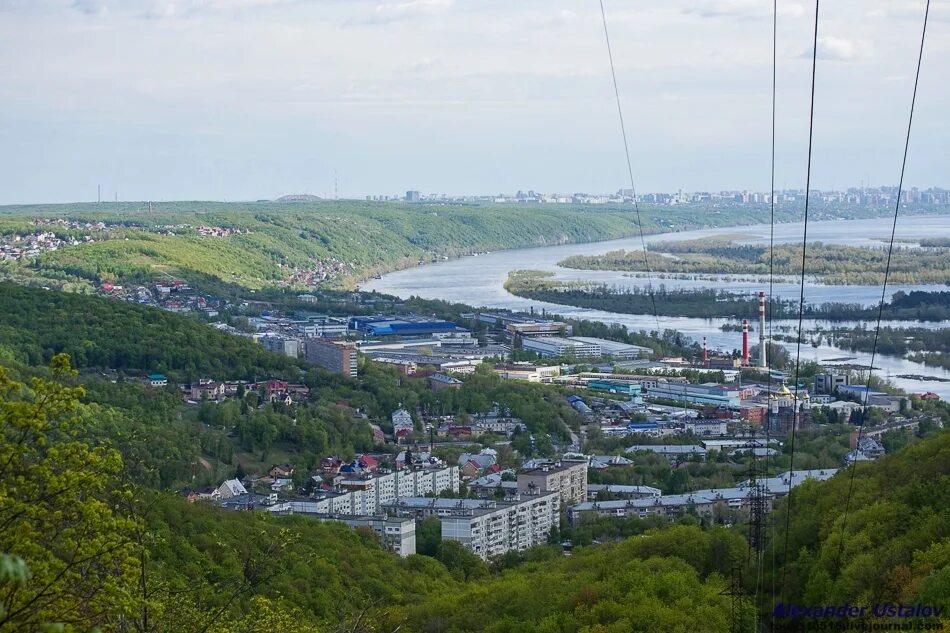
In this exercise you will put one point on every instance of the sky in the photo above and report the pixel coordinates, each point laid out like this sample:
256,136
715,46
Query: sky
254,99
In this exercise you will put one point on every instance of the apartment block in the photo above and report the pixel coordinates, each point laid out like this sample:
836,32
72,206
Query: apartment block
368,495
486,527
336,356
567,478
395,535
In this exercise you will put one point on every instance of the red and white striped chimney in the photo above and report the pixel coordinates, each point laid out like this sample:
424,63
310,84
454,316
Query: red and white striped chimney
762,361
745,342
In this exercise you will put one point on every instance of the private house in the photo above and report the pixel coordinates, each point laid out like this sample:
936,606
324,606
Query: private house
157,380
207,389
279,471
231,488
443,381
205,493
401,419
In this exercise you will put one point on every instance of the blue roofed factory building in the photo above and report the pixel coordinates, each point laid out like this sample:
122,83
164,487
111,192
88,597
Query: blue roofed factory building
707,394
619,387
385,326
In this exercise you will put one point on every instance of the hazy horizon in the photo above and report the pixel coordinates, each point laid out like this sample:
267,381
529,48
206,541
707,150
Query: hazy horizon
240,100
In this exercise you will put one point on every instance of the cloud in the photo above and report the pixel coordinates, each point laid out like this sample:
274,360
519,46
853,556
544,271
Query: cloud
741,9
158,9
835,49
390,12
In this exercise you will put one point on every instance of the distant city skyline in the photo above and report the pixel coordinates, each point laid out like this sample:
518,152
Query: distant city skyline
248,99
855,195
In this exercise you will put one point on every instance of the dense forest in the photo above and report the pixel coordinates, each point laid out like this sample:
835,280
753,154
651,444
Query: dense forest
711,303
37,324
829,263
922,345
892,544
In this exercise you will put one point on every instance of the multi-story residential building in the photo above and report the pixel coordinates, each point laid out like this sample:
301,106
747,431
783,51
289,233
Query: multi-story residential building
368,494
337,356
829,383
623,492
701,501
565,477
281,345
395,535
486,527
512,525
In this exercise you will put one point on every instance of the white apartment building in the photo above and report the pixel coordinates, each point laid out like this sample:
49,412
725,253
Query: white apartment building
515,525
567,478
487,527
368,495
395,535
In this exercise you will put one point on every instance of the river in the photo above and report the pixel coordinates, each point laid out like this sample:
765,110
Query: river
479,281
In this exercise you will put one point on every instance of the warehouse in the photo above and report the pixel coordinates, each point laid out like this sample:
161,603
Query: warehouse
557,346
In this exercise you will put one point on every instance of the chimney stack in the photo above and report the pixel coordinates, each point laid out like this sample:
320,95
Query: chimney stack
705,354
745,342
762,361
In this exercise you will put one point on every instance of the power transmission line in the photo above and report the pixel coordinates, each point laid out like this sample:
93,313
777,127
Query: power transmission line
801,300
633,189
887,270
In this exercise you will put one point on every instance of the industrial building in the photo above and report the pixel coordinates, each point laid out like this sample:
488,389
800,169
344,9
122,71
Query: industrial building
531,373
706,394
421,362
872,398
614,349
547,346
624,388
390,326
524,324
336,356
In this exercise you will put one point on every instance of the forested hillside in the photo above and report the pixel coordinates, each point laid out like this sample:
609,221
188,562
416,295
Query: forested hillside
256,245
892,546
37,324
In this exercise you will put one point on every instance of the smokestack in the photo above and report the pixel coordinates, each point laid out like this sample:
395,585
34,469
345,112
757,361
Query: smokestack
745,342
705,354
762,362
